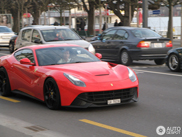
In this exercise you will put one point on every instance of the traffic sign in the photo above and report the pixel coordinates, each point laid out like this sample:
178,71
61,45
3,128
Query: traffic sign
156,12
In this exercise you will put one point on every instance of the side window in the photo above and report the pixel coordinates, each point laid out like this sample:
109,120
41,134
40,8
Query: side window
109,35
25,53
26,34
35,35
121,35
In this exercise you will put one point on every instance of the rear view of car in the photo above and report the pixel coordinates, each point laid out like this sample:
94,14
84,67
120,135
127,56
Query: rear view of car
151,46
5,36
125,44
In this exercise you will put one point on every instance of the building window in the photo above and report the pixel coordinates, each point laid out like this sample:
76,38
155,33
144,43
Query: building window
80,8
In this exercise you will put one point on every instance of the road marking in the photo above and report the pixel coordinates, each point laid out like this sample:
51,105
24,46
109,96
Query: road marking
158,73
111,128
9,99
21,126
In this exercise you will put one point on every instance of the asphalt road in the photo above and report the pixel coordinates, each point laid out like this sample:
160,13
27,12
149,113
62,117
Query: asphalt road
159,105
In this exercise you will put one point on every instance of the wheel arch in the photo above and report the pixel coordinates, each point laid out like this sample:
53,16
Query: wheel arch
2,68
123,48
56,83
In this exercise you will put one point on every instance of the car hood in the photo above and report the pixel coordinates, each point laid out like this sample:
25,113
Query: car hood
93,71
81,43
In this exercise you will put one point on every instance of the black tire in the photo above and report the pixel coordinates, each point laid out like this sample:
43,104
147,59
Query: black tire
5,89
159,61
173,63
125,58
11,47
51,94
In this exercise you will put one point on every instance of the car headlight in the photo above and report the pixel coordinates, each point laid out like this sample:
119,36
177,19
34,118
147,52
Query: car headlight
91,49
74,80
131,75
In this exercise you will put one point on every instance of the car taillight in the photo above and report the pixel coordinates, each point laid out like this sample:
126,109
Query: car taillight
143,44
15,40
169,44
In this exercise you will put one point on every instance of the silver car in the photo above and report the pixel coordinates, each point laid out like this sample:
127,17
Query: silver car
5,35
38,34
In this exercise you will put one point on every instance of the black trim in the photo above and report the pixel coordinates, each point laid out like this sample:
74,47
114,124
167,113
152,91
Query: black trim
99,99
25,94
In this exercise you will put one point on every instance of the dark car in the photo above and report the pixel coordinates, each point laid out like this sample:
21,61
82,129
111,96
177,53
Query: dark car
125,44
174,59
12,43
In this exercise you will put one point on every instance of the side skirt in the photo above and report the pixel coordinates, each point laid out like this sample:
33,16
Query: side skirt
25,94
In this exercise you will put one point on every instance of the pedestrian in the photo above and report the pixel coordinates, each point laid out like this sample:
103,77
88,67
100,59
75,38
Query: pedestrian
120,23
56,23
82,24
34,23
116,23
104,26
77,24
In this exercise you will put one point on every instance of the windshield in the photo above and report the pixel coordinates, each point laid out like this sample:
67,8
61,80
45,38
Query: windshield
64,55
5,29
145,33
59,35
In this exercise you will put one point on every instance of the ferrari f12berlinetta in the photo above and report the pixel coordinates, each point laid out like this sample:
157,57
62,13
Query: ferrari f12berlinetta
67,75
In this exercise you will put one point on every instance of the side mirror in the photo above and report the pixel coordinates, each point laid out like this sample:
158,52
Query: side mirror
94,38
83,37
26,61
98,55
38,41
99,37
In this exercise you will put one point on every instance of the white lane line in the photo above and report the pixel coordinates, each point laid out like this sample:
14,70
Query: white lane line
158,73
19,125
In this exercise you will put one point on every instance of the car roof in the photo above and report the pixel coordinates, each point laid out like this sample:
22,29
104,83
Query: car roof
126,27
43,27
42,46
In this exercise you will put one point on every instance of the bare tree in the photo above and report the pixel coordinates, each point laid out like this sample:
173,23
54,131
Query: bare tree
170,4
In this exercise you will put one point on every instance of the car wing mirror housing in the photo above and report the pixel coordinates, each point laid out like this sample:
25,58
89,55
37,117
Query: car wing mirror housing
98,55
26,61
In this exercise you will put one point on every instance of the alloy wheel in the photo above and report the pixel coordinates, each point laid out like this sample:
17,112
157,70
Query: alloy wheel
51,94
124,57
174,63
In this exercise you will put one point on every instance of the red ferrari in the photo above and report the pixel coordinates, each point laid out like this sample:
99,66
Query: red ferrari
66,75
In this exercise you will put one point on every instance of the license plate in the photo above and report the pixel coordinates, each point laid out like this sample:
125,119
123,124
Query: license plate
157,45
114,101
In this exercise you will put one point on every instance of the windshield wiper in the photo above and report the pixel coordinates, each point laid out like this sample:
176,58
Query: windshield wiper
80,62
68,39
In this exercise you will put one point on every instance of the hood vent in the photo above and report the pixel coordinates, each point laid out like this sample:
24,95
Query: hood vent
101,74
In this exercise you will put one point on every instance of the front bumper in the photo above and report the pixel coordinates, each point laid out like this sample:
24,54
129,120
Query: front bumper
100,99
4,43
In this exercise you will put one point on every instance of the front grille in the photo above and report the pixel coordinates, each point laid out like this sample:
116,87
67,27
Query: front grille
100,98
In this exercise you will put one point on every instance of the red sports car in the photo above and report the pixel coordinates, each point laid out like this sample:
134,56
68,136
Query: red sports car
66,75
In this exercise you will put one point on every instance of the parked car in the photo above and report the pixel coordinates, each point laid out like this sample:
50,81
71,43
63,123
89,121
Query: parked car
5,36
38,34
66,75
12,43
174,59
125,44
